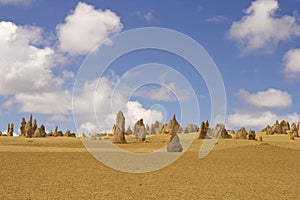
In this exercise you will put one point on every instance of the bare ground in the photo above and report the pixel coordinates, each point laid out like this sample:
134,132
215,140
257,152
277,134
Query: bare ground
60,168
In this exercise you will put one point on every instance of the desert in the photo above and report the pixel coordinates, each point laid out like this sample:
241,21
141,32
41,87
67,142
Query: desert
62,168
162,100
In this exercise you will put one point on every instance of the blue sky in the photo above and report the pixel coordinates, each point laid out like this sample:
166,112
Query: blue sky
255,45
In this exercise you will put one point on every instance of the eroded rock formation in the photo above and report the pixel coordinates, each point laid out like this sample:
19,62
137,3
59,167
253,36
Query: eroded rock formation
219,131
156,128
203,130
139,131
293,132
128,131
172,129
241,133
190,128
267,130
118,129
40,132
10,129
251,135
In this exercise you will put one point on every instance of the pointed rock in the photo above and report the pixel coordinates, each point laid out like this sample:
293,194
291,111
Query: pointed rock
241,133
172,129
203,130
139,131
118,129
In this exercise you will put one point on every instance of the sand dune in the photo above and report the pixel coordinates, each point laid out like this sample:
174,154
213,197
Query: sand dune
61,168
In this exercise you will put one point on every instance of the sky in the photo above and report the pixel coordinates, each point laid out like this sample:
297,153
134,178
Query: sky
47,46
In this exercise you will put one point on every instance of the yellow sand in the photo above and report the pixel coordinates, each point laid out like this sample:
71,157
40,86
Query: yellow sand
60,168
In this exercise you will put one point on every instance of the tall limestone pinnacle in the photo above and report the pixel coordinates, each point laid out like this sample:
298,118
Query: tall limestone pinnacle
139,131
118,129
172,129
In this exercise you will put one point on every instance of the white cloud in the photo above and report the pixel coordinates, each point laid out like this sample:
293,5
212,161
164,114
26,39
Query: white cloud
165,92
85,28
260,28
217,18
24,65
67,75
135,111
148,16
54,103
27,80
88,127
94,103
291,62
16,2
271,98
257,119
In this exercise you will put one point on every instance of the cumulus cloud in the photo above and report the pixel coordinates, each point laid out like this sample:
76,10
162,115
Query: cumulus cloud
257,119
164,92
88,127
54,103
291,62
27,80
85,28
260,28
94,102
25,66
136,111
270,98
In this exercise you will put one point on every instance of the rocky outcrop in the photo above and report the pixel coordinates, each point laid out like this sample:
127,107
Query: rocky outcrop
203,130
128,131
57,133
251,135
241,133
293,132
224,133
174,145
156,128
180,130
22,128
34,125
280,128
190,128
40,132
172,129
10,129
276,129
285,126
267,130
118,129
50,133
139,131
147,129
69,134
298,128
29,129
219,131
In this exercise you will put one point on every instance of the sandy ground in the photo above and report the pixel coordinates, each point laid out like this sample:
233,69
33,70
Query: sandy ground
61,168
